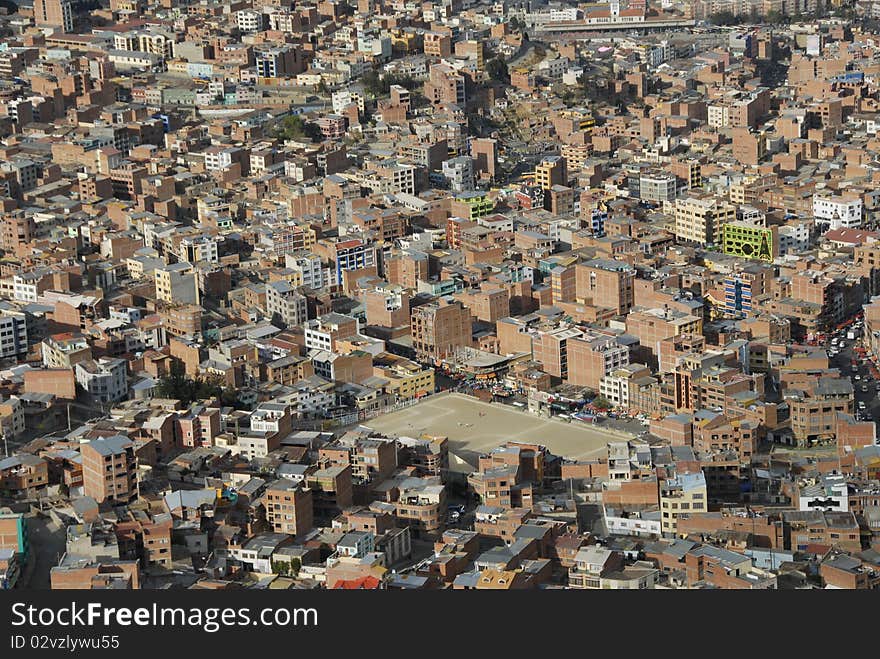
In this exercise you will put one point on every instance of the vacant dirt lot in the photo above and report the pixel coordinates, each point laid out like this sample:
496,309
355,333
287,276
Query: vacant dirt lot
458,417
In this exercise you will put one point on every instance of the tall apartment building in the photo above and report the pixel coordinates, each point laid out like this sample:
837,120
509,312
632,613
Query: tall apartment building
551,171
446,85
551,349
54,13
284,304
741,288
563,284
13,333
459,173
652,326
593,356
484,151
699,219
176,284
488,304
308,266
685,493
323,332
288,507
608,283
437,44
438,328
657,187
65,350
353,254
110,469
814,413
17,230
422,506
331,490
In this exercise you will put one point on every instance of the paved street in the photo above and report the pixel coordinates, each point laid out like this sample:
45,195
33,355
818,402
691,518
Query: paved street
843,361
47,546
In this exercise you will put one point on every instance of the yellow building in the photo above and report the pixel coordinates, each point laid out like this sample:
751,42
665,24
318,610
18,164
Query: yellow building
699,218
176,283
686,493
292,277
586,120
405,41
551,171
406,379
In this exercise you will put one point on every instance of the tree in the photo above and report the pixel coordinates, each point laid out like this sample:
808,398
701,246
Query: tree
289,568
177,386
372,82
497,70
378,85
294,127
725,18
775,17
602,403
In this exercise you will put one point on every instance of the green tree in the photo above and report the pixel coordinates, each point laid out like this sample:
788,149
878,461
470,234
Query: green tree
294,127
377,84
497,70
176,385
373,83
725,18
289,568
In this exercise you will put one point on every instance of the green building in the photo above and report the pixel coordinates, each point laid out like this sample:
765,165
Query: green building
749,241
471,205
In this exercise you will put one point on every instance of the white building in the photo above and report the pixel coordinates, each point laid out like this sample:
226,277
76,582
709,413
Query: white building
308,265
719,115
794,238
312,396
249,20
268,417
13,333
199,249
639,523
615,389
356,544
827,493
565,14
833,212
25,286
218,158
459,173
345,97
285,304
554,67
104,379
